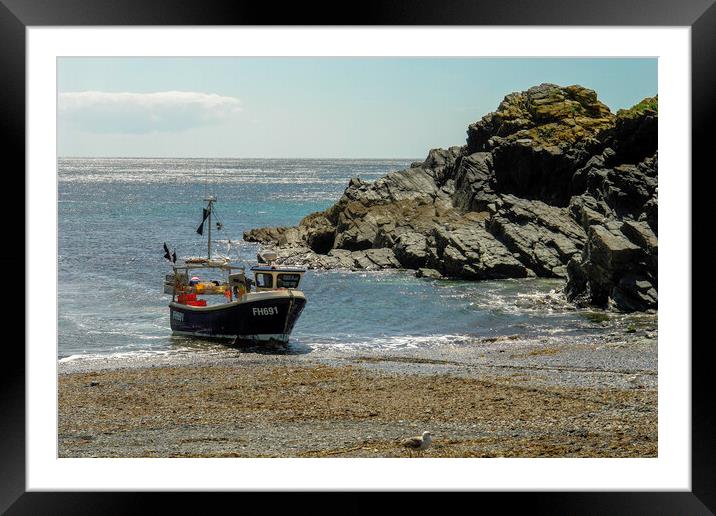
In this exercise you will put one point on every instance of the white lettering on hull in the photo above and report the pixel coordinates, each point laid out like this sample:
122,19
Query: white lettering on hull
268,310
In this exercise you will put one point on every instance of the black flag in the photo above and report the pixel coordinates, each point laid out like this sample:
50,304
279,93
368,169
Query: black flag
200,229
166,252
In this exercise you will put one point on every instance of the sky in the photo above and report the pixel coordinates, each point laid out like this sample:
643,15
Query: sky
306,107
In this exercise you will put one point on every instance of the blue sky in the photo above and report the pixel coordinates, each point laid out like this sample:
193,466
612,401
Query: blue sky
307,107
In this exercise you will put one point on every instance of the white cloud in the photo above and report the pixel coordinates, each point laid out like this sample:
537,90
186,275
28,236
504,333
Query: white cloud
141,113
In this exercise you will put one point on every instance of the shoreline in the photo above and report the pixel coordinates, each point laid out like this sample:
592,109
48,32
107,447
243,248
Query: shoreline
505,398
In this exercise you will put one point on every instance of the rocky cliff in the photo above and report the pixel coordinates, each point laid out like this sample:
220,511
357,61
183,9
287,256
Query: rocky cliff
551,184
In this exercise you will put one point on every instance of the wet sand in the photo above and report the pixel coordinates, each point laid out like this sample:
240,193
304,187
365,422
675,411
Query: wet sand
499,398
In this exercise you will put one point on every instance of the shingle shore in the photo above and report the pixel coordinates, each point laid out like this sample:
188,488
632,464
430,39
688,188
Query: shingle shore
271,406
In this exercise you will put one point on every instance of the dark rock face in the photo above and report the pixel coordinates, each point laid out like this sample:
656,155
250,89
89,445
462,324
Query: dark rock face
535,172
428,273
622,191
539,138
411,249
320,233
469,251
551,184
543,237
474,182
618,268
634,136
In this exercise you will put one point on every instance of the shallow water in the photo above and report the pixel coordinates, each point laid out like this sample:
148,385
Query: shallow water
114,215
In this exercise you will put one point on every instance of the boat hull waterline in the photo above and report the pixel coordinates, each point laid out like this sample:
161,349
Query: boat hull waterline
267,319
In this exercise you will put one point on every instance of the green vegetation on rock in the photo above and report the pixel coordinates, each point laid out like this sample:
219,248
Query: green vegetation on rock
649,103
548,115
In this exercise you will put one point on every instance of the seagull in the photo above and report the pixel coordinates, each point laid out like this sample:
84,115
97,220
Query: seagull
634,380
418,443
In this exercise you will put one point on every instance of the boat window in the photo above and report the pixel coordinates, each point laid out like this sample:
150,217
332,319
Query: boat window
288,280
264,280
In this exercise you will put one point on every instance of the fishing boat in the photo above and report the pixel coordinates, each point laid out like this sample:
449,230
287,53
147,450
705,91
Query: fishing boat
213,297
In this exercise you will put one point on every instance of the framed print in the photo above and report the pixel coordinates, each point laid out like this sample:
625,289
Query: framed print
416,253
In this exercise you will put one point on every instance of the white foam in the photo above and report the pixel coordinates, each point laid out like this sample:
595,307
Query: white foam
387,342
121,355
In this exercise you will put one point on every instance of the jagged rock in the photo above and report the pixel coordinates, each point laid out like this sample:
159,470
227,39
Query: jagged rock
551,184
586,211
414,184
361,261
428,273
634,135
369,259
265,235
383,258
469,251
641,234
440,163
536,172
344,258
356,229
634,293
440,158
304,256
538,138
319,232
609,248
361,228
474,190
617,268
411,250
543,237
546,115
625,191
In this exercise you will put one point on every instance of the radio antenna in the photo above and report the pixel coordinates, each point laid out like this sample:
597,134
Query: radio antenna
206,178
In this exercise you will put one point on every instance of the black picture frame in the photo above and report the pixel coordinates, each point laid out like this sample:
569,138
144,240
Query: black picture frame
700,15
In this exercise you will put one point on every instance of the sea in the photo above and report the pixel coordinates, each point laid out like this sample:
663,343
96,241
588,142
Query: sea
114,215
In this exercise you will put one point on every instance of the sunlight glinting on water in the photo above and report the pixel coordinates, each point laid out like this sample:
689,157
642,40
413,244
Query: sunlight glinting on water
115,214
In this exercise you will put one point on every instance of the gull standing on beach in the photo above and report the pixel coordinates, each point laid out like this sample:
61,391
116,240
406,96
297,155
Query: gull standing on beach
419,443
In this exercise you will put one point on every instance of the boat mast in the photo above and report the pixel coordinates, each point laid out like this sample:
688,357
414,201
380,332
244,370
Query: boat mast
210,200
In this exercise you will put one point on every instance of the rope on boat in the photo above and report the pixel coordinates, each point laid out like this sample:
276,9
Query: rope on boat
290,310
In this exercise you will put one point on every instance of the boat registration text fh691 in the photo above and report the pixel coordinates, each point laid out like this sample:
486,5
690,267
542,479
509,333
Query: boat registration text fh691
266,310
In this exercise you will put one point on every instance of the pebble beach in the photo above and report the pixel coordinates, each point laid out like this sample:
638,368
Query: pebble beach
501,397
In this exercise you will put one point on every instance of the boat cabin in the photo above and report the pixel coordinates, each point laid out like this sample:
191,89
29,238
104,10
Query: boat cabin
272,277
